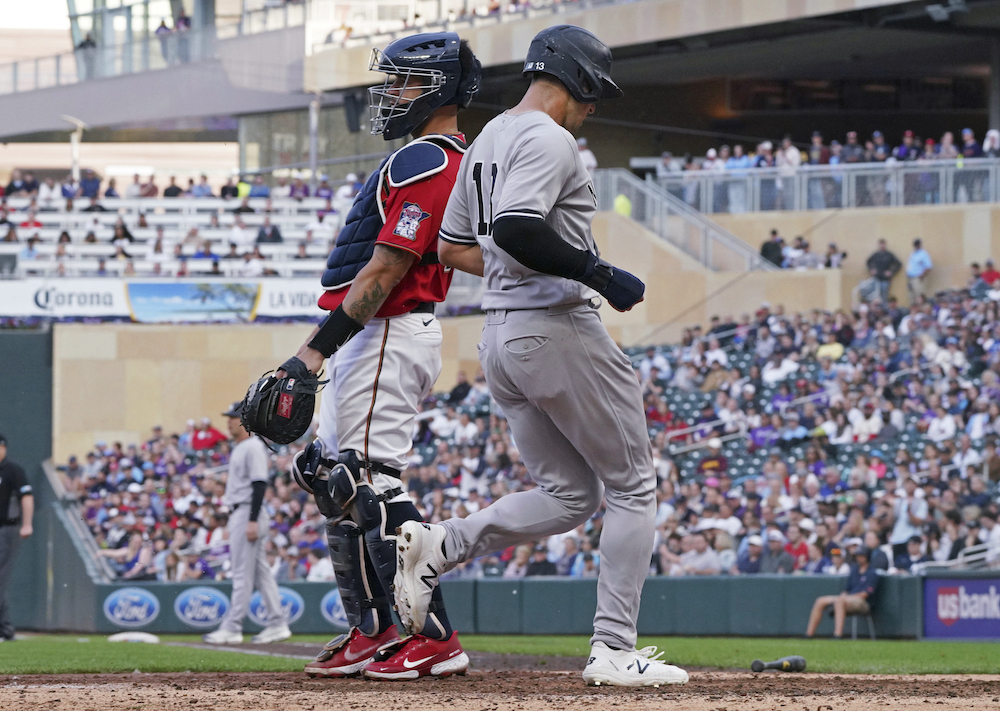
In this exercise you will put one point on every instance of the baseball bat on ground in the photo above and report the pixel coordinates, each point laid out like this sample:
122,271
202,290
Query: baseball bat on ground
788,664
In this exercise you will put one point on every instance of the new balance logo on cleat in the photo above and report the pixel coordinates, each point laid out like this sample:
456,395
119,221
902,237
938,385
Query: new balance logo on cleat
428,578
638,666
591,661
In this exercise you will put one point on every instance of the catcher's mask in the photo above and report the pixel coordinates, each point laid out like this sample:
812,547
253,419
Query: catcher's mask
431,63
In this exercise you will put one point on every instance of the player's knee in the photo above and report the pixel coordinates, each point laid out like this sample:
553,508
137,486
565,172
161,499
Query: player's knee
582,503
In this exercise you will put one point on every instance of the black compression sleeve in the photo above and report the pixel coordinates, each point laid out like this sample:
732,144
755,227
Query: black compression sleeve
257,498
537,246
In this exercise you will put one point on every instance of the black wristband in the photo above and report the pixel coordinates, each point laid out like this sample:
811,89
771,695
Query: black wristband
598,274
334,332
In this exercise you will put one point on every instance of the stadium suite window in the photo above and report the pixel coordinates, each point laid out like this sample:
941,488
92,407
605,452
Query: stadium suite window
928,93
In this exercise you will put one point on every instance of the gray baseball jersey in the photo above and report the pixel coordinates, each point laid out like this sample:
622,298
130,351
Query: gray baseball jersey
247,463
523,165
572,401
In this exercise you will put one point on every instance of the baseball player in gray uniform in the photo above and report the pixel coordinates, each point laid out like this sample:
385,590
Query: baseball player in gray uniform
520,214
248,528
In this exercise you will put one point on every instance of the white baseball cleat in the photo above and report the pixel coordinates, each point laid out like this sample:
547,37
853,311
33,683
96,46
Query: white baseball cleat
419,563
278,633
630,668
221,636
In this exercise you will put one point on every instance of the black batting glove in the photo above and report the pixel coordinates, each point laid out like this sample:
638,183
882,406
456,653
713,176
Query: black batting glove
622,289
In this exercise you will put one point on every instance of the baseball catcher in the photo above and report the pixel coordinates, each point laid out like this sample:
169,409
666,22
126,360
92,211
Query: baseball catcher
382,345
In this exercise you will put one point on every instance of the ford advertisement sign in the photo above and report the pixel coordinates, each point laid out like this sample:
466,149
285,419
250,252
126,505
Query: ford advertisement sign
333,611
131,608
962,608
201,607
291,603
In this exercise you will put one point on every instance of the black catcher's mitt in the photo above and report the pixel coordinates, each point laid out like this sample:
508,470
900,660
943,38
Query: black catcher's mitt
281,409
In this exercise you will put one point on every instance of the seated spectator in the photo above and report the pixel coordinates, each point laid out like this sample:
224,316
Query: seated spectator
701,559
749,563
173,190
837,563
797,546
540,564
855,600
518,566
268,233
90,185
912,556
817,560
320,567
714,462
149,189
776,559
779,368
229,190
206,436
260,188
299,190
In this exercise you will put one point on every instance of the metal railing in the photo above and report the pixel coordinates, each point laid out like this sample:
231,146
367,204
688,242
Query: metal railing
972,557
107,61
817,187
663,214
68,511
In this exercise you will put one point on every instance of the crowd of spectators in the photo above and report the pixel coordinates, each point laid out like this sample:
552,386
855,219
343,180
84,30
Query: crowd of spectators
731,165
53,196
782,444
220,237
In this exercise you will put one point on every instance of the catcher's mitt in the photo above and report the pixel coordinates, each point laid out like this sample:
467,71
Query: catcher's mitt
281,409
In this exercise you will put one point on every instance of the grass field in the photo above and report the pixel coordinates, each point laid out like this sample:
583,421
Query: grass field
54,654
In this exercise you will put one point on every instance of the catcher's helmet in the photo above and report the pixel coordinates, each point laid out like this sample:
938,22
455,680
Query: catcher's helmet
436,63
576,58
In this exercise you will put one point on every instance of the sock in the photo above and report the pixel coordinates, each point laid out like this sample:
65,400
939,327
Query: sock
437,626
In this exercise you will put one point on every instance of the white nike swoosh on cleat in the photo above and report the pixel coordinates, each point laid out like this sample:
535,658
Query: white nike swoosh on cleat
353,656
410,665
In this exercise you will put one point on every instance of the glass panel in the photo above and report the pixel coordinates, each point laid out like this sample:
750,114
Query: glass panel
922,187
972,185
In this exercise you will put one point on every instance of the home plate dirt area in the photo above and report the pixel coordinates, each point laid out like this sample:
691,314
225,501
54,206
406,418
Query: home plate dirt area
496,682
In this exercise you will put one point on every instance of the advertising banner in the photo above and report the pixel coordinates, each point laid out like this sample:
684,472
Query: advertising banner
962,608
162,300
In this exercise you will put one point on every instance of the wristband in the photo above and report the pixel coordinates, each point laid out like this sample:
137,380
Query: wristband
334,332
597,274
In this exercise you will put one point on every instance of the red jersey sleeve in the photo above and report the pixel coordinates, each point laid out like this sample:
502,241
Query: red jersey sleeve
411,222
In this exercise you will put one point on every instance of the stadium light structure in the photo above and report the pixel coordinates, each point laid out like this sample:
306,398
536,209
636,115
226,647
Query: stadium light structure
74,143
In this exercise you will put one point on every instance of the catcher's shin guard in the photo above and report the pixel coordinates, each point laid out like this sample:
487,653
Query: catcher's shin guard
346,553
366,604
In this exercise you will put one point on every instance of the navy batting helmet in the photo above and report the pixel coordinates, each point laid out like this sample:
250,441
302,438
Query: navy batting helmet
576,58
439,64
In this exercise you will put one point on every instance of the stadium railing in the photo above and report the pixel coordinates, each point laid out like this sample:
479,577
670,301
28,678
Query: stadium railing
676,222
68,511
815,187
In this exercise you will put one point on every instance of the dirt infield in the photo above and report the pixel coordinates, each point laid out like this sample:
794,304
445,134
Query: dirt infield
497,682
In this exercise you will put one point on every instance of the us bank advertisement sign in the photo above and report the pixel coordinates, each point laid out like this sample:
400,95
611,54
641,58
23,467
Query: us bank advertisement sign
962,608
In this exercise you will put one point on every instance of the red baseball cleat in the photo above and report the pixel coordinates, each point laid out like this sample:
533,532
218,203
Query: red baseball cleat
416,656
349,653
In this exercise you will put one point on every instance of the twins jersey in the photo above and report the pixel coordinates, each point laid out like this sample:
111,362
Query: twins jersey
523,165
247,463
411,194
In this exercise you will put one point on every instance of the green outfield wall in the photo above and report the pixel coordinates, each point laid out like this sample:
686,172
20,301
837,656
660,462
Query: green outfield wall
773,606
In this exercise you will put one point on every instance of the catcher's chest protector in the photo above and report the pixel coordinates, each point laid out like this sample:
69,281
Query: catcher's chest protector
356,241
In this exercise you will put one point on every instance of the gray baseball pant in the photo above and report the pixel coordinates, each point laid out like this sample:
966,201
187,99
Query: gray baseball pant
575,410
249,568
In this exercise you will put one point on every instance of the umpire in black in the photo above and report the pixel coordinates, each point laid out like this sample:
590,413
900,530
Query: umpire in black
17,506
